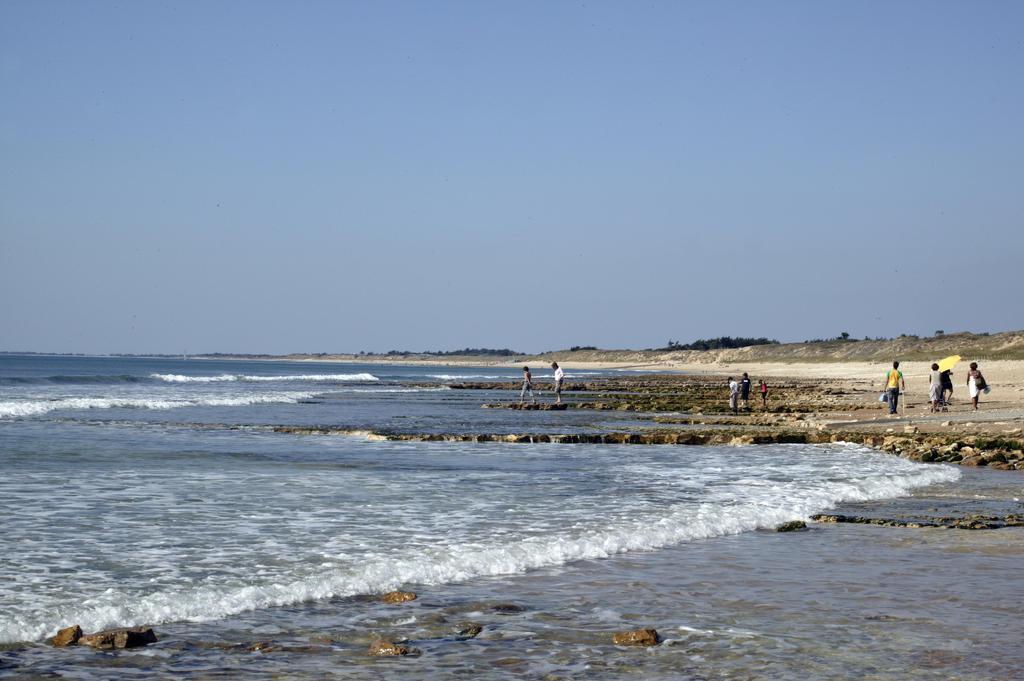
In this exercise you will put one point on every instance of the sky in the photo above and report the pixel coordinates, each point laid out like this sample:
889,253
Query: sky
343,176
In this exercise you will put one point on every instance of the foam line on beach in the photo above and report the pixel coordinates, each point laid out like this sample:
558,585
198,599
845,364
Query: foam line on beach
448,564
247,378
25,408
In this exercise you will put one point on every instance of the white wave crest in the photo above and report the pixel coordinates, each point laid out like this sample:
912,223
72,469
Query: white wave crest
16,409
441,565
309,378
507,377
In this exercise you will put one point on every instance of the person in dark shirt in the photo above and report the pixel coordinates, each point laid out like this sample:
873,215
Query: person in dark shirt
946,381
745,391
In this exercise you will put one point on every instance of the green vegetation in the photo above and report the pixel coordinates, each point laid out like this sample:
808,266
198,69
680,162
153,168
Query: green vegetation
488,352
844,337
720,343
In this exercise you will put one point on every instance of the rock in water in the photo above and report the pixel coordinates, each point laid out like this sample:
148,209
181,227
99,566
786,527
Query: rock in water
398,597
119,638
68,636
469,630
262,647
792,526
387,648
637,637
508,608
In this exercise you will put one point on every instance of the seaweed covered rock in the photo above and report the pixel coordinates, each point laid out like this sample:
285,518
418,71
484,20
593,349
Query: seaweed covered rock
398,597
637,637
792,526
114,639
469,630
384,648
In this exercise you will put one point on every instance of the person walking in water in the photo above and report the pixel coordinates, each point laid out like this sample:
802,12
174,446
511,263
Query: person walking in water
527,385
893,382
975,384
745,391
734,394
559,379
764,394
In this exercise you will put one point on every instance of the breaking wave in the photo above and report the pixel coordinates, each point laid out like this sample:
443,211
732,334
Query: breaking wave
62,379
442,564
23,408
244,378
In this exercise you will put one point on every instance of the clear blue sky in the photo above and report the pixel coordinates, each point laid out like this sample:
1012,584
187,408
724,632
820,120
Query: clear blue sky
345,176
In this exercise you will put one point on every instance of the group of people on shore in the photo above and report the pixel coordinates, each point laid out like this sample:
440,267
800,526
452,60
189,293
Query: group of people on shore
528,384
940,387
739,394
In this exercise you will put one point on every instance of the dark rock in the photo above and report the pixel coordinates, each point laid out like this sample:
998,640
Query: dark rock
69,636
637,637
546,406
974,525
262,647
398,597
384,648
508,608
119,638
469,630
792,526
973,522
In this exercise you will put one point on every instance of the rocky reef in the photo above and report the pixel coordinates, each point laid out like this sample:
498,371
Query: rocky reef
110,639
1001,453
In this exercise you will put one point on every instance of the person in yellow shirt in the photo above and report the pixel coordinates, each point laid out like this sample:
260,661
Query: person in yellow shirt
893,382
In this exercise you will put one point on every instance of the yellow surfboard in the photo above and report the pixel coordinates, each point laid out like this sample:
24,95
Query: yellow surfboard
948,363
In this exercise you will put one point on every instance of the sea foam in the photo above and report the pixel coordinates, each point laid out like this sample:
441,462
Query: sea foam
439,564
23,408
244,378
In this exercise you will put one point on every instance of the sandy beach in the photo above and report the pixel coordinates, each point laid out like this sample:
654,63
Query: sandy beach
1000,412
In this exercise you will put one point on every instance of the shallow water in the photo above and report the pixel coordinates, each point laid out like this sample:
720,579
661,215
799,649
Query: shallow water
834,602
221,536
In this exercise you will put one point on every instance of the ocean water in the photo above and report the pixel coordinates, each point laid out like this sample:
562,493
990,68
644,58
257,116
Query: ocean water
154,491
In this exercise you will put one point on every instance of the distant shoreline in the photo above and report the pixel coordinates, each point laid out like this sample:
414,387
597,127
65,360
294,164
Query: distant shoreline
1008,345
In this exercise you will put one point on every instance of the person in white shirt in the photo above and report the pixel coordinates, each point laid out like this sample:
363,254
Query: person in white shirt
559,378
734,393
